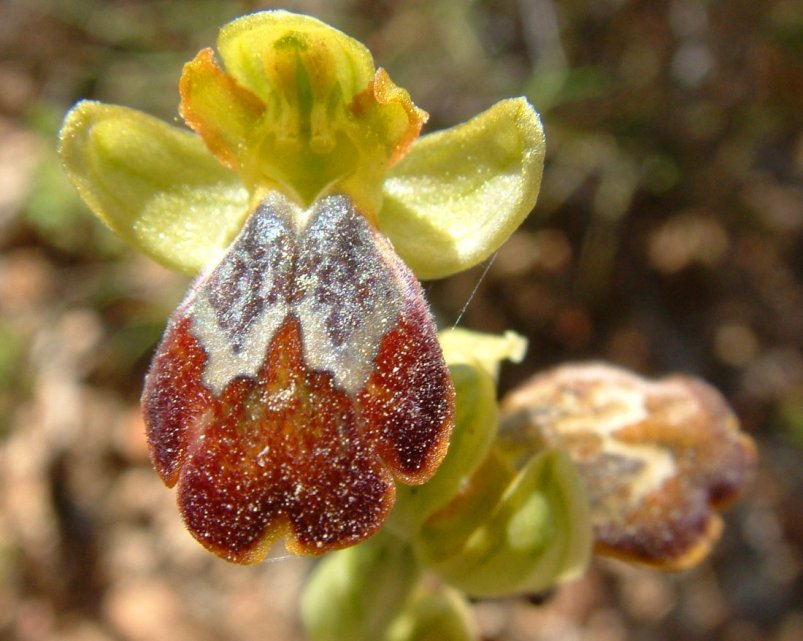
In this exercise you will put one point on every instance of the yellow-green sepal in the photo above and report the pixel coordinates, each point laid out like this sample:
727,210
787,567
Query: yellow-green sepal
459,194
247,47
355,593
511,531
155,185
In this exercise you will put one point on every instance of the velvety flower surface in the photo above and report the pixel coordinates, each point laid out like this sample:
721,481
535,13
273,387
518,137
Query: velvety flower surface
301,377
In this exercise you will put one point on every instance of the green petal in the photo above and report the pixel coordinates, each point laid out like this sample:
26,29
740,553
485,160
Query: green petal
156,186
217,108
458,194
511,532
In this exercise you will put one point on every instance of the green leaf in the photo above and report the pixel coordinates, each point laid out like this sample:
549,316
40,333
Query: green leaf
155,185
459,193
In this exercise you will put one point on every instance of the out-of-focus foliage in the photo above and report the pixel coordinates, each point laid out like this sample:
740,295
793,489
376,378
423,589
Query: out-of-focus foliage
667,236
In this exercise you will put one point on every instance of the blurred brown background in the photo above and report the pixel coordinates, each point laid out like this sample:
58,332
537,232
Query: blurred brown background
668,236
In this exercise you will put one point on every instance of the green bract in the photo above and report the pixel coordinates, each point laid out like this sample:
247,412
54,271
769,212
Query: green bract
484,523
433,613
473,361
511,531
374,592
356,593
300,108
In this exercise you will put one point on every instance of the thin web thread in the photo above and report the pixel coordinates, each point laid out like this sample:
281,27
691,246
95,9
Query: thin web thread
476,287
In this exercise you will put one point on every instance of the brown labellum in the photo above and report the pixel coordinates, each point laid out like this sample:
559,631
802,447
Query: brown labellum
298,381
